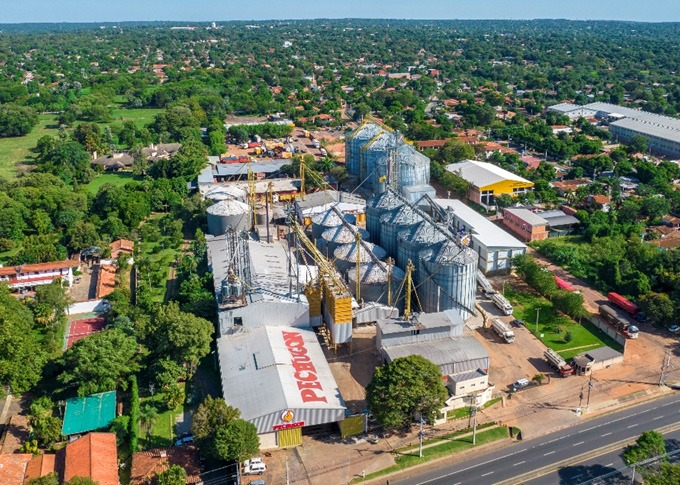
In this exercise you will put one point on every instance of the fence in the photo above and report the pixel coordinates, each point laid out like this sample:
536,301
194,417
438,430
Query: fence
90,306
609,330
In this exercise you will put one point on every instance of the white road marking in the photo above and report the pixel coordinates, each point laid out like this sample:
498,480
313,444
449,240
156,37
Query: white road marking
603,435
579,443
521,462
658,417
632,425
610,464
487,474
548,453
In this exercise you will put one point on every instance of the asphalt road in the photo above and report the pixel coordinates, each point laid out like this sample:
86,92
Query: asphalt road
512,464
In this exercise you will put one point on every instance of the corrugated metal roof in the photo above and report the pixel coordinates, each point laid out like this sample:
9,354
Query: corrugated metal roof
441,352
467,376
483,174
635,114
89,413
563,220
258,376
564,107
528,216
231,169
484,231
665,132
602,353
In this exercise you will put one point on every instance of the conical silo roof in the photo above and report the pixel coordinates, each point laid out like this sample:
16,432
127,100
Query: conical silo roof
344,234
348,252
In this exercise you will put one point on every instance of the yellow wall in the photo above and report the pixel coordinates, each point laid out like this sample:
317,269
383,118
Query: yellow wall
506,186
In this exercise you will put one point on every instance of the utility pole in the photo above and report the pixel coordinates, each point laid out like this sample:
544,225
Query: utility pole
474,426
538,312
420,437
580,398
590,386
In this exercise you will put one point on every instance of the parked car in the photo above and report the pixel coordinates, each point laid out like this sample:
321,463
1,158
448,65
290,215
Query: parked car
674,328
254,466
184,439
520,384
517,323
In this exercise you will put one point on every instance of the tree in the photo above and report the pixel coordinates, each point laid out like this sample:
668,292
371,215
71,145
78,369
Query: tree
174,397
121,427
236,441
101,362
47,430
81,481
53,298
49,479
181,336
90,136
175,475
658,307
404,387
539,378
147,418
16,120
166,372
21,355
211,414
82,235
455,151
648,445
667,473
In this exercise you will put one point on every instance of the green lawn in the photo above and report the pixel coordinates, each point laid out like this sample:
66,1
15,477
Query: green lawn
117,179
162,433
162,254
465,411
141,117
18,150
409,457
554,326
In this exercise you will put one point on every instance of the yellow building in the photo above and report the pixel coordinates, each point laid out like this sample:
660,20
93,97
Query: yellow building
489,181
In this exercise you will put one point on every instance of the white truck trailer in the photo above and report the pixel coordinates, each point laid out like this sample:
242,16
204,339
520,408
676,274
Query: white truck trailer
501,302
556,360
503,330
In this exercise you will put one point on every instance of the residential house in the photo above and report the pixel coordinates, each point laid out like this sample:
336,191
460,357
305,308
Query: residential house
95,456
147,464
27,276
121,246
525,224
114,161
600,202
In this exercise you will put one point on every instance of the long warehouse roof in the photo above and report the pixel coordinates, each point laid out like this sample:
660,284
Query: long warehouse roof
259,374
482,174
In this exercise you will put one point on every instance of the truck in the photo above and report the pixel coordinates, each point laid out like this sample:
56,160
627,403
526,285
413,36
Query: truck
556,360
502,329
563,285
501,302
619,320
623,303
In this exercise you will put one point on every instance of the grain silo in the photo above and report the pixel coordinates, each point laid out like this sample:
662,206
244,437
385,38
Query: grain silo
413,168
393,223
227,214
337,236
324,221
376,207
373,279
448,278
371,153
355,140
411,242
345,256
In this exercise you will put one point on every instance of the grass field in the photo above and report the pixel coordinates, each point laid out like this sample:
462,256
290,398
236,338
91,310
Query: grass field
141,117
409,457
162,433
17,150
555,326
117,179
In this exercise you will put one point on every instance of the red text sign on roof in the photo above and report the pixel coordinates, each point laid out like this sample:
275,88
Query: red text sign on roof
305,373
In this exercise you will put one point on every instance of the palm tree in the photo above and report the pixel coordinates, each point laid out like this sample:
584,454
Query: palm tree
147,418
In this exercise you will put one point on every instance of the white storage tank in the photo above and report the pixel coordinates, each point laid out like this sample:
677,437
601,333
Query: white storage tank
337,236
373,283
227,214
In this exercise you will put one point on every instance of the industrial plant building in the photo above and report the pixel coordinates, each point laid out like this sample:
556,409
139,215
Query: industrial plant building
662,133
278,377
489,181
495,248
535,226
377,155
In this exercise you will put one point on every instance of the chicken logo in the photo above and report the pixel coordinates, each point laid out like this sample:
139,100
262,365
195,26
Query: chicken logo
287,416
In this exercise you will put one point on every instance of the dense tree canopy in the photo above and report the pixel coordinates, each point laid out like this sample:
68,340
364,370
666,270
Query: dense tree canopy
404,387
16,120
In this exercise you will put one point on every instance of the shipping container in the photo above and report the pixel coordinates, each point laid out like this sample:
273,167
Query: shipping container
622,302
563,285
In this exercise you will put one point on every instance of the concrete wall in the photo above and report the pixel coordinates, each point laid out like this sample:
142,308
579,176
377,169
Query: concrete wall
90,306
595,320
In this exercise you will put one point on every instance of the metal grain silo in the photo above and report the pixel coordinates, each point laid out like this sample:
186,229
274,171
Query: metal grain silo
354,141
373,278
413,168
337,236
393,223
448,279
412,242
376,207
325,220
370,153
227,214
345,256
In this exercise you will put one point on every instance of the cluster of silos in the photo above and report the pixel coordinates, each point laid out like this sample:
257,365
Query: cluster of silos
371,149
448,278
411,242
325,220
227,214
335,237
374,278
413,168
346,256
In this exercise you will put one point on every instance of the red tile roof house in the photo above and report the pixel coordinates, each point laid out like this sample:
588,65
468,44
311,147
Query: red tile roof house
121,246
147,464
13,468
32,275
93,455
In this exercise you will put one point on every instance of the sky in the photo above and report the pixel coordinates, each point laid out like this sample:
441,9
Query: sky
13,11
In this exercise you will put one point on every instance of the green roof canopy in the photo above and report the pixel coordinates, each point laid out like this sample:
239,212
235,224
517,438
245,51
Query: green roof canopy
89,413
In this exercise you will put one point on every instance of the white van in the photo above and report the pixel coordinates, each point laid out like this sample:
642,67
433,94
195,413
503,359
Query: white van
520,384
254,466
